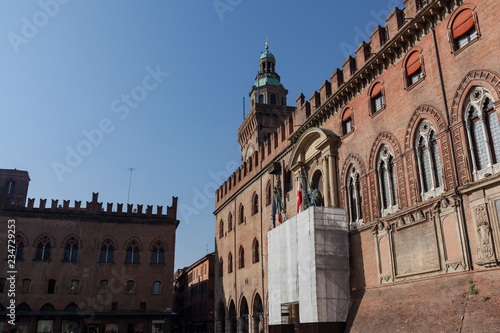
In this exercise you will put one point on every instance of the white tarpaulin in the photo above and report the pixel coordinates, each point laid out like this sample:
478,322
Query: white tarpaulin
309,264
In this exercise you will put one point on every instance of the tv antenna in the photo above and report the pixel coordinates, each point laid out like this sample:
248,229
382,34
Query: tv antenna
129,183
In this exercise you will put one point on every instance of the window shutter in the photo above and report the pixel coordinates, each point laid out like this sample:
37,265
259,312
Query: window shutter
462,23
347,114
377,89
413,63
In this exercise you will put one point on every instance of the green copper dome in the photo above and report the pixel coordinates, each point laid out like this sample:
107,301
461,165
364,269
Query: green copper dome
268,81
267,55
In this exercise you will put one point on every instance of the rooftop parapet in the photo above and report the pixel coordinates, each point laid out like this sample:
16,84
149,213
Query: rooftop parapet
94,208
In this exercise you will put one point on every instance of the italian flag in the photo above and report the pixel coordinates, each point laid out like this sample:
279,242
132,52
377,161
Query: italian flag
300,198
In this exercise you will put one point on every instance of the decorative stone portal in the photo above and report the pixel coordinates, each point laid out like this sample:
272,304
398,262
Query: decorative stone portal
309,271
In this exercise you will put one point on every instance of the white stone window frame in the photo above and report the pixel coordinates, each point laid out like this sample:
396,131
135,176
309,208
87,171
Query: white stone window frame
353,178
385,156
424,133
476,99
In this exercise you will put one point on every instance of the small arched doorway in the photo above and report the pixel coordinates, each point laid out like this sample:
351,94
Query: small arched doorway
243,319
258,315
221,318
232,317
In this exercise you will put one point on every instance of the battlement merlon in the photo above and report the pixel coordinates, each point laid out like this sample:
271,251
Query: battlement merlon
93,208
403,29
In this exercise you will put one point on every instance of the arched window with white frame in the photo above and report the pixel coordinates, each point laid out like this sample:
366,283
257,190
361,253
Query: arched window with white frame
71,250
158,254
354,198
429,161
386,174
43,249
132,256
483,132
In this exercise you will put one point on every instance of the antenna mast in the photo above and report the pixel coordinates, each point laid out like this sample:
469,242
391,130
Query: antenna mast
129,183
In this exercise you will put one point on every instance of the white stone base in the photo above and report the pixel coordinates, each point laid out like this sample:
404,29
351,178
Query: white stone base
309,264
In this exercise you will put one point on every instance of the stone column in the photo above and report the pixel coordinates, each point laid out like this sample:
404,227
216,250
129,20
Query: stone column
380,189
486,139
420,173
471,147
326,182
333,181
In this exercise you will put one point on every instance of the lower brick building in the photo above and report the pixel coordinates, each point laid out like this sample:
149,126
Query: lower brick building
194,301
405,139
86,269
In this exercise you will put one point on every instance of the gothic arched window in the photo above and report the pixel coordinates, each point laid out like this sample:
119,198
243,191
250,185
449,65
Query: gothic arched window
132,256
483,131
19,248
387,182
255,251
107,252
354,198
71,250
241,259
255,204
429,161
221,229
43,249
242,214
230,263
158,254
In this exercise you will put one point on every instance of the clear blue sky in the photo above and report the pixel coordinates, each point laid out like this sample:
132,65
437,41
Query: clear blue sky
75,67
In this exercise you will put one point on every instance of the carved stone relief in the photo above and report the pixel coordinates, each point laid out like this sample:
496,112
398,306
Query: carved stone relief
485,246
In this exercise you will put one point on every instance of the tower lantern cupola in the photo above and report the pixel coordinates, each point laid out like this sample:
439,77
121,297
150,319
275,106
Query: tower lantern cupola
268,112
267,88
267,62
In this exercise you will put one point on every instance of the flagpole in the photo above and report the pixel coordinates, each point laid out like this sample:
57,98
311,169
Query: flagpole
281,204
307,180
274,210
307,197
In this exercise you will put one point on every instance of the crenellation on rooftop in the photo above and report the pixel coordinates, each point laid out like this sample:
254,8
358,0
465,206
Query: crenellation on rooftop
363,53
377,39
394,22
315,101
93,207
325,91
337,80
349,68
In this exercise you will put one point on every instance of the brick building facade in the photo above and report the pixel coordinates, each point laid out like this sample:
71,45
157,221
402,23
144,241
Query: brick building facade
406,138
195,296
87,269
